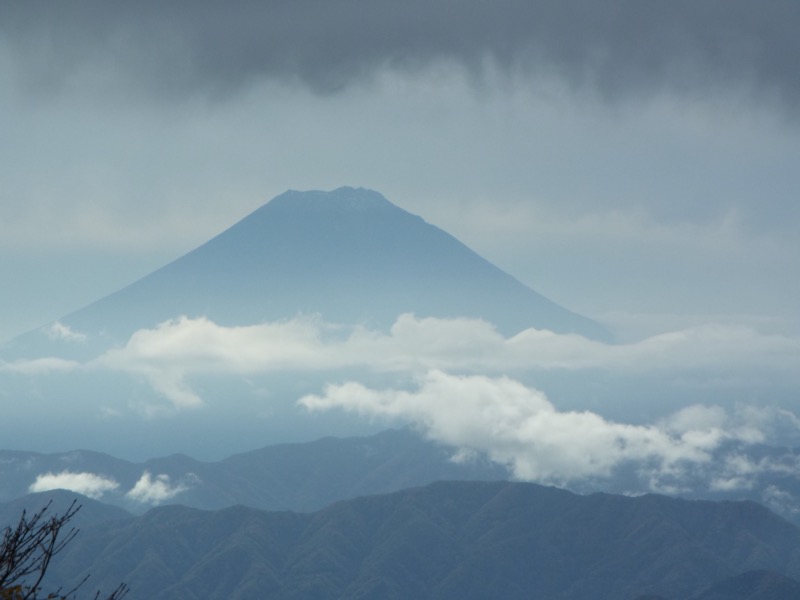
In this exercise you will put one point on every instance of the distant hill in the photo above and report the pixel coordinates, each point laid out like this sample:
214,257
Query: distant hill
445,541
301,477
349,255
308,476
91,513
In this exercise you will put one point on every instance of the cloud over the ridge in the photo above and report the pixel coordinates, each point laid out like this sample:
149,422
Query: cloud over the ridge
148,489
88,484
519,427
154,490
170,354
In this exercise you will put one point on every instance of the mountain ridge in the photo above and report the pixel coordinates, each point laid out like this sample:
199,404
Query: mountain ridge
297,476
444,540
306,476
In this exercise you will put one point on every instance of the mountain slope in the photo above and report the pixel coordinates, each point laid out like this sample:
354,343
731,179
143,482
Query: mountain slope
91,512
753,585
349,255
447,540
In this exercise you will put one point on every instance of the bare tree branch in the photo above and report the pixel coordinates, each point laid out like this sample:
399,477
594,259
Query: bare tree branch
27,549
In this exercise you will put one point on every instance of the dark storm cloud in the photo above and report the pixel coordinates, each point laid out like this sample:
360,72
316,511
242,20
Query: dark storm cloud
615,47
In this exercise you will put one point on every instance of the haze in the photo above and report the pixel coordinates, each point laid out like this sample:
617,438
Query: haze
638,167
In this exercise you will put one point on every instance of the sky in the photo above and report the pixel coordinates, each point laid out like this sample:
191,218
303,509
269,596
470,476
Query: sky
634,162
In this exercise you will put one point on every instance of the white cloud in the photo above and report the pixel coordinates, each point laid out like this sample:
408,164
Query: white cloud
517,426
88,484
59,331
154,490
166,355
206,345
169,354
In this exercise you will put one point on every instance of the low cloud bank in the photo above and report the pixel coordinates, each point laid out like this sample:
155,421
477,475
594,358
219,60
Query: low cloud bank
518,426
87,484
168,355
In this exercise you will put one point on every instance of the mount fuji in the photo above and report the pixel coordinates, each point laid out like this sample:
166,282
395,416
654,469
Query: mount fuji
348,255
122,376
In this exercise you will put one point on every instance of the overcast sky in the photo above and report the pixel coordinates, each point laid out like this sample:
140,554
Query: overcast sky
634,161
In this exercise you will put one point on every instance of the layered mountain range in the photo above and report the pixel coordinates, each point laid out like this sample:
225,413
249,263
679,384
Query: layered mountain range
297,476
446,540
311,475
392,515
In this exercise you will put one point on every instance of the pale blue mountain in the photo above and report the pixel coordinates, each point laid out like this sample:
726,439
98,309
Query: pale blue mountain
298,476
348,255
310,475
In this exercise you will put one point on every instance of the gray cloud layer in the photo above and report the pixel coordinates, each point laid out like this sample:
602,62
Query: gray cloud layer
616,47
676,182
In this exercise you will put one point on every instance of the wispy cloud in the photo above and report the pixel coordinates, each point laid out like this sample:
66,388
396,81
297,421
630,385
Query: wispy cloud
166,355
741,472
59,331
156,489
39,366
88,484
519,427
781,501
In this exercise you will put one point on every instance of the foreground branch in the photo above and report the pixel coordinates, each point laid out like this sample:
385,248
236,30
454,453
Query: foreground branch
27,549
